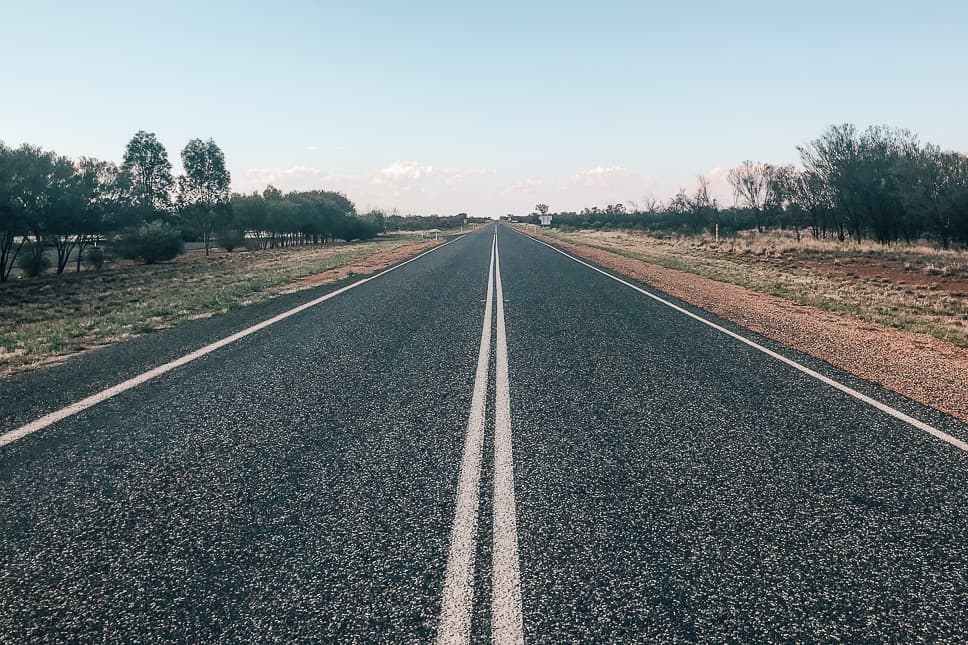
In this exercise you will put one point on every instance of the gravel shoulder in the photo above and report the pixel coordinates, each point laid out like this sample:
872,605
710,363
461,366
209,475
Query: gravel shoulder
924,368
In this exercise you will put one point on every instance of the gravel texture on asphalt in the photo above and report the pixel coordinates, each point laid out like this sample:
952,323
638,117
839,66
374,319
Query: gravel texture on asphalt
672,484
296,485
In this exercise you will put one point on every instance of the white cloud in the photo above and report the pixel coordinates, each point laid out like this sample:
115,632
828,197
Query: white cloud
598,175
311,148
402,172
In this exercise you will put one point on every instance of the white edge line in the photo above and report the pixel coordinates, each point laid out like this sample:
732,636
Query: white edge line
897,414
507,625
90,401
457,598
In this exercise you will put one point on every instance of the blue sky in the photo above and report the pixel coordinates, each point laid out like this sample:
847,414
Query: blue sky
480,107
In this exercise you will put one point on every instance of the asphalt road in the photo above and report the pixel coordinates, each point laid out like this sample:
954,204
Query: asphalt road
409,460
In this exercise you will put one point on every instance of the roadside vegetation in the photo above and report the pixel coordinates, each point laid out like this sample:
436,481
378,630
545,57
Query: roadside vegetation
879,185
871,224
454,223
56,212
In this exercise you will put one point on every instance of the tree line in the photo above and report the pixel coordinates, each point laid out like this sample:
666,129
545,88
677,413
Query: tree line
140,210
880,183
396,222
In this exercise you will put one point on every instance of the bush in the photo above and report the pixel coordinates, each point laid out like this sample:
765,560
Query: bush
230,239
151,243
33,262
94,258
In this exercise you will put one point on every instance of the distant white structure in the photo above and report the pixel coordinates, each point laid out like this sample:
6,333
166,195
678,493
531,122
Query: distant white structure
545,220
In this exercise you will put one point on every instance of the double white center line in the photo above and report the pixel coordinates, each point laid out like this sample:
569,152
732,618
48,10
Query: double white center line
457,603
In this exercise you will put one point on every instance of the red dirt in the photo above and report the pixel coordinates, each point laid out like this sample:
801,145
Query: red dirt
890,272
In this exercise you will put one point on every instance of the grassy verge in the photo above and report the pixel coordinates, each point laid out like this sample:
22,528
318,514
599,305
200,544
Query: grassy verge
916,288
54,316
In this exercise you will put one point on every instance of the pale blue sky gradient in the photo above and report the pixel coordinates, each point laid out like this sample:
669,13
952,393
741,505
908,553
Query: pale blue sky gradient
481,107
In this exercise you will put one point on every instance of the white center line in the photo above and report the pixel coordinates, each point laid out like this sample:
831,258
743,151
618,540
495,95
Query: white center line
506,621
897,414
457,602
104,395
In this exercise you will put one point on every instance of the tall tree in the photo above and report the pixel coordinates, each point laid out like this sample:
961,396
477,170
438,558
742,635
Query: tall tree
147,174
203,191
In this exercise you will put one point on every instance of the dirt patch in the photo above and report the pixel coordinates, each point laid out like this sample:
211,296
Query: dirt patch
369,264
929,370
892,272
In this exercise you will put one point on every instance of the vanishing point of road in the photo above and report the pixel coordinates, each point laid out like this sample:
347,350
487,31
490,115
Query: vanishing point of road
491,442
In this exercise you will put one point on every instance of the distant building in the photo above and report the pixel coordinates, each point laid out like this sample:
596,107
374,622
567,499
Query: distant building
545,220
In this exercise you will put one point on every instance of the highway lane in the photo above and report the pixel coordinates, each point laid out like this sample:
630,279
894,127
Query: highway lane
645,478
296,485
674,484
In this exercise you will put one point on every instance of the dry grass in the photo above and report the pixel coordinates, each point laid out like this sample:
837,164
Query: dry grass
912,287
54,316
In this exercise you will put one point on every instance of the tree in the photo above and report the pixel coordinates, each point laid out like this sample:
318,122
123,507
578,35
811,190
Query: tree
146,172
809,193
203,191
863,173
936,191
755,186
39,192
11,221
100,201
542,209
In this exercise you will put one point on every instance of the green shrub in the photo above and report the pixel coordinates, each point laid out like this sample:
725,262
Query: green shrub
155,242
94,258
230,239
33,262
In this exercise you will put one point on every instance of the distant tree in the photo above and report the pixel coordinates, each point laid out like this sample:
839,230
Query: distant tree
249,215
146,172
811,195
542,209
203,191
755,186
864,174
935,191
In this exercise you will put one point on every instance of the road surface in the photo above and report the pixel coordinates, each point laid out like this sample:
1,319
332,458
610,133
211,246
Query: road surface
492,442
